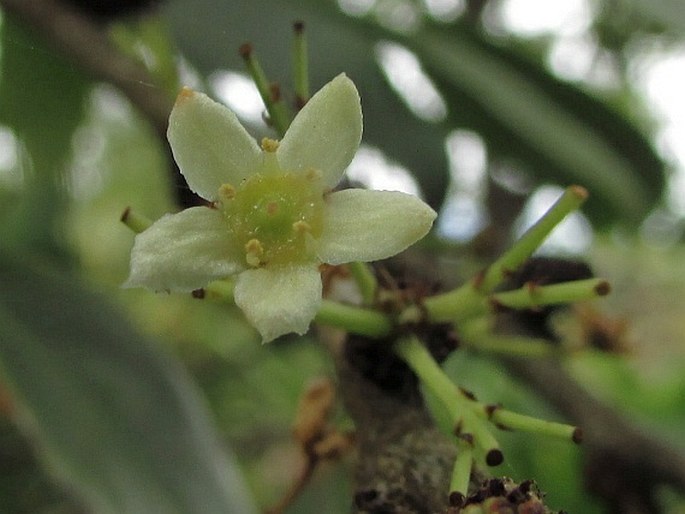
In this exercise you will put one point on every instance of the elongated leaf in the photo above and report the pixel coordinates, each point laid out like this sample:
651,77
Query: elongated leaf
113,418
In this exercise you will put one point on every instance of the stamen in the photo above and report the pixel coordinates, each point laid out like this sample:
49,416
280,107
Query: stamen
185,94
254,252
269,145
302,227
300,66
226,192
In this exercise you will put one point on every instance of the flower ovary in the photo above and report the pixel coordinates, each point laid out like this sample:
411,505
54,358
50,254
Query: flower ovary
275,217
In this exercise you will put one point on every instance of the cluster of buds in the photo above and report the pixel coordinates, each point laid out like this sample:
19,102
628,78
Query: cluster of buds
500,496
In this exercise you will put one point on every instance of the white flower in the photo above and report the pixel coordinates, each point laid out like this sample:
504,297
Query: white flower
274,219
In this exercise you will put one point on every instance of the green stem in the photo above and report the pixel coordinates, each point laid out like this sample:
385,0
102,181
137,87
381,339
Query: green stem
300,65
356,320
536,296
478,427
419,359
456,306
467,301
134,221
458,406
571,200
365,322
478,334
513,421
365,279
461,472
270,93
220,290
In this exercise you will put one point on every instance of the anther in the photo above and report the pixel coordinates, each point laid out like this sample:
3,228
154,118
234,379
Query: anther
456,499
275,91
577,436
603,288
301,227
269,145
494,457
245,50
226,192
254,252
185,94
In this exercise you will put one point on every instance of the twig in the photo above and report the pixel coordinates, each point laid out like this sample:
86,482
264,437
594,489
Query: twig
86,43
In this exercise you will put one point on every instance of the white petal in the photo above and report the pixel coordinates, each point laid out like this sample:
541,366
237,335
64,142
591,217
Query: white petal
209,144
326,133
183,252
279,300
367,226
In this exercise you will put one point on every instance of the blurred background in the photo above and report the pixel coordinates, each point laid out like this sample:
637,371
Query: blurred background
484,108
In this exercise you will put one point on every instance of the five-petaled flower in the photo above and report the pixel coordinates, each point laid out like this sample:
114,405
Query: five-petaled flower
273,217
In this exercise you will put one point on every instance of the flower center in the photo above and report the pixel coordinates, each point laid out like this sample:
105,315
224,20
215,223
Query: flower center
275,216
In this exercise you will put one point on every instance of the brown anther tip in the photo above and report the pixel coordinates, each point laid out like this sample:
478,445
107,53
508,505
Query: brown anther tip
603,288
468,438
478,279
300,102
532,286
579,191
468,394
577,436
298,26
496,305
456,499
275,90
490,409
124,215
245,50
494,457
198,294
526,486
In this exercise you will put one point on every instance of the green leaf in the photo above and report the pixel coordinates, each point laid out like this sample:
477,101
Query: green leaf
112,417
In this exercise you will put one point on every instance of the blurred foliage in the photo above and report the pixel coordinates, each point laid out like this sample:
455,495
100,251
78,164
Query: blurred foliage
111,416
39,76
84,154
